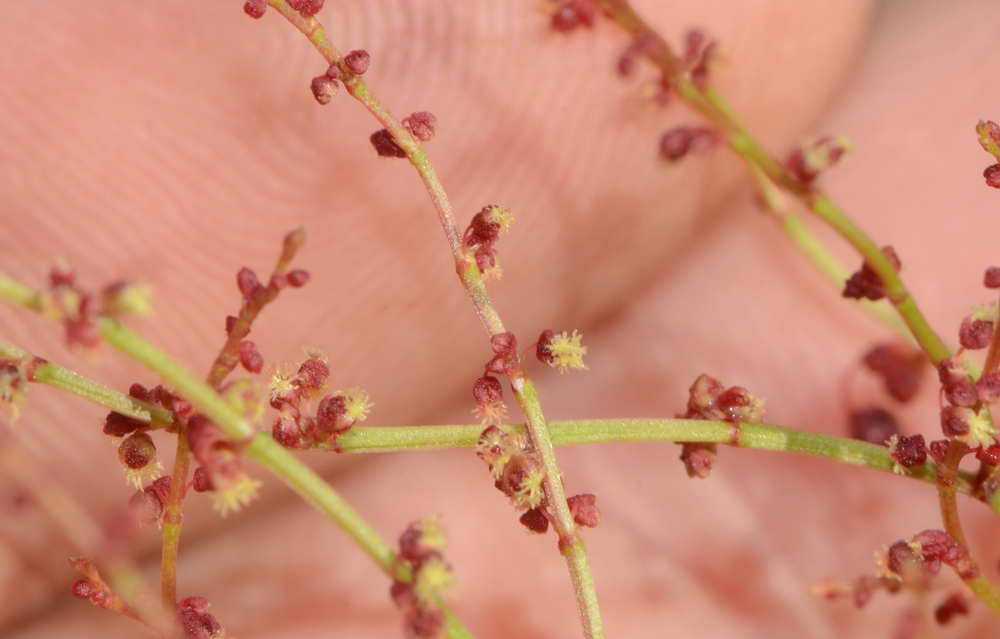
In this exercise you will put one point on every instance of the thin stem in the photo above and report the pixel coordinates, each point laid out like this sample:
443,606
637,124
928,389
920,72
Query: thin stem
472,280
173,519
17,293
42,371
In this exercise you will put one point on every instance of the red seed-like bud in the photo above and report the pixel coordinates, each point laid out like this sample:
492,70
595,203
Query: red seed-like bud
195,603
678,142
306,7
255,8
900,366
298,278
247,282
584,510
989,455
866,283
900,557
202,481
250,357
504,343
486,257
385,145
357,61
992,175
572,14
118,425
873,425
955,420
950,608
138,391
991,277
420,125
62,274
312,374
137,451
402,594
806,163
698,459
423,623
910,451
487,390
323,88
145,507
83,589
278,282
230,324
988,387
975,334
938,449
161,488
962,393
535,520
330,416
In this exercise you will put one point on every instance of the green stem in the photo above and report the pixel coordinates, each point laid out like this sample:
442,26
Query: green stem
17,293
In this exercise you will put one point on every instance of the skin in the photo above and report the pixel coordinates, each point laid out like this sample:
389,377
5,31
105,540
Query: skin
172,146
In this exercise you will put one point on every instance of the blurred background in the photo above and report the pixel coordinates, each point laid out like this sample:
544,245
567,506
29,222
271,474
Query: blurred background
174,142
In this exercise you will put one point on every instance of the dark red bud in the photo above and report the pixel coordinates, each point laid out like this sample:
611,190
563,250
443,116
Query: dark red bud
357,61
230,324
991,277
312,374
420,125
250,357
298,278
535,520
137,451
938,450
955,421
873,425
384,144
202,481
975,334
950,608
306,7
584,510
992,175
487,390
247,282
323,88
910,451
255,8
118,425
83,589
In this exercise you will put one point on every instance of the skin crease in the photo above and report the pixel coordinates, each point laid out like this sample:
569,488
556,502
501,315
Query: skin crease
172,146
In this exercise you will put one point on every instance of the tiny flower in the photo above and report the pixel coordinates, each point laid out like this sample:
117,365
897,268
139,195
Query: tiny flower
127,298
137,454
676,143
422,622
247,282
950,608
420,125
955,420
298,278
807,162
738,405
307,8
938,450
312,375
488,394
698,458
357,61
495,447
195,620
230,323
250,357
384,144
232,494
992,175
975,334
907,452
432,582
584,510
981,430
283,389
873,425
563,351
535,520
118,425
989,137
255,8
991,277
323,88
356,404
201,482
865,283
900,366
422,539
571,14
988,387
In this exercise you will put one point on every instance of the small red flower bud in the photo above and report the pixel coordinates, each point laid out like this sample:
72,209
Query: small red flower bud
83,589
487,390
255,8
951,607
989,455
247,282
385,145
678,142
988,387
486,257
504,343
865,283
333,71
138,391
900,557
955,420
312,374
201,482
250,357
323,88
402,594
118,425
975,334
873,425
230,324
145,508
306,7
137,451
900,366
421,125
584,510
62,274
806,163
991,277
992,175
161,488
357,61
572,14
535,520
278,282
330,415
423,623
910,451
698,459
938,449
298,278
